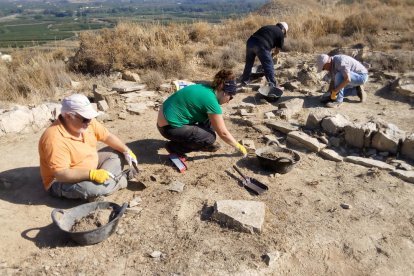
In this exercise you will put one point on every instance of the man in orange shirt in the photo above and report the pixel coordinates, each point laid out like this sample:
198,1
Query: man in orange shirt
70,164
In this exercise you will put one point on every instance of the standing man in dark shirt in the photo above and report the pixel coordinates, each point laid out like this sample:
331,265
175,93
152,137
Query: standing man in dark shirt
260,44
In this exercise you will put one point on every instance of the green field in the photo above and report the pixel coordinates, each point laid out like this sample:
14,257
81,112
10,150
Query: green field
33,23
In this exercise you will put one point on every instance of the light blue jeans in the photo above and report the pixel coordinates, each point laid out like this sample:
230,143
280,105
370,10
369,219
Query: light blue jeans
357,79
109,160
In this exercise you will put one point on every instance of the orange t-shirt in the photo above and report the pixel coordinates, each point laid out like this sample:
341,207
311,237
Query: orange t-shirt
59,150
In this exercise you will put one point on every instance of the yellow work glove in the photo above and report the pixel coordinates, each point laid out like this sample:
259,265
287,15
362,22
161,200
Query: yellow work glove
130,158
99,176
242,149
333,95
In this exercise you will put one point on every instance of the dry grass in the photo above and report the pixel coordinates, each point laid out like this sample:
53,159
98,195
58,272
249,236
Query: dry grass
32,76
158,52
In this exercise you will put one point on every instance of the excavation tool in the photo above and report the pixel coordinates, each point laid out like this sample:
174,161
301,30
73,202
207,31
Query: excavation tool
254,186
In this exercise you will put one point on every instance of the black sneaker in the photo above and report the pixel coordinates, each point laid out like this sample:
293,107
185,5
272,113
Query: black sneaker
361,93
182,156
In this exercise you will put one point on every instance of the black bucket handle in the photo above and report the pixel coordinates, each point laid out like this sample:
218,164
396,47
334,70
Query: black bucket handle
54,215
270,142
276,142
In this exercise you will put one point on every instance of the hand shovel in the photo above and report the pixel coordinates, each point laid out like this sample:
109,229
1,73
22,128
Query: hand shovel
252,185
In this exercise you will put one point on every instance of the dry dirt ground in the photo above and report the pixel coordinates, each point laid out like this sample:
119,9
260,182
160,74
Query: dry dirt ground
304,220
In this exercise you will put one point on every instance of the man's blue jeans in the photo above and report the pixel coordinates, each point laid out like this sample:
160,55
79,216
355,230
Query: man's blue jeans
357,79
254,47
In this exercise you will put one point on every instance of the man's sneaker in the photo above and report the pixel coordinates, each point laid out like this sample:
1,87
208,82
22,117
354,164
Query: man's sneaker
361,93
211,148
333,104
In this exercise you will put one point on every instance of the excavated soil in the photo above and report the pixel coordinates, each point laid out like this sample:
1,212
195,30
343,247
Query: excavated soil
275,155
93,220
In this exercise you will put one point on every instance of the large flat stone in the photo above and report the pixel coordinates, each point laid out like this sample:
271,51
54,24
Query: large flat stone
137,108
407,176
122,86
240,215
306,141
370,163
331,155
281,126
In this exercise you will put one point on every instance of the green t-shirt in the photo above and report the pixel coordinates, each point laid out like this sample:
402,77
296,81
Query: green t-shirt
190,105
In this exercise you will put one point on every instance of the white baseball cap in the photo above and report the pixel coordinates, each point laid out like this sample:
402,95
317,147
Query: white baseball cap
79,104
285,25
321,60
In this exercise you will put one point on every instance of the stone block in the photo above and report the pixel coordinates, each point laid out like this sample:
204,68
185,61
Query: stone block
176,186
166,87
281,126
370,163
354,135
306,141
388,139
130,76
137,108
127,86
103,105
100,94
315,118
289,108
244,112
331,155
16,120
407,176
262,129
358,135
407,149
334,124
240,215
269,115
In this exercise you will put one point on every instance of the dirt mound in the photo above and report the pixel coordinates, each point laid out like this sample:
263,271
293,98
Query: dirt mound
92,221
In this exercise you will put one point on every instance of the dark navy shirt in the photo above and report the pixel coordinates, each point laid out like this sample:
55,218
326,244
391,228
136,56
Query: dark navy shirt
271,36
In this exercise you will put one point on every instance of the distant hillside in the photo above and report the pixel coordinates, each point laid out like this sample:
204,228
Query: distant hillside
287,7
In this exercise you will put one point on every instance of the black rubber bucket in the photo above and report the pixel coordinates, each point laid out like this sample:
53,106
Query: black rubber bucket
67,219
280,165
270,93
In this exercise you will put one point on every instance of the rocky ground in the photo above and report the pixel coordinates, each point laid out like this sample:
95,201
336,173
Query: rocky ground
321,218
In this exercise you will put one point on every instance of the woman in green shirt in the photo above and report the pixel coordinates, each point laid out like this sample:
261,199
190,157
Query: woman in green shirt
191,117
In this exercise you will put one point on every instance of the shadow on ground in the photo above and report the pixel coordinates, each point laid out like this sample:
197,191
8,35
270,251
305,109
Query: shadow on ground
387,93
49,236
24,186
146,150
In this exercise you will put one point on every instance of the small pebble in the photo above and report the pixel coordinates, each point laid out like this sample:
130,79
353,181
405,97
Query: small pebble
156,254
345,206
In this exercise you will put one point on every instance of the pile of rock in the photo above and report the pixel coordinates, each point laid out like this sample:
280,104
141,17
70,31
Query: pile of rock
375,138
